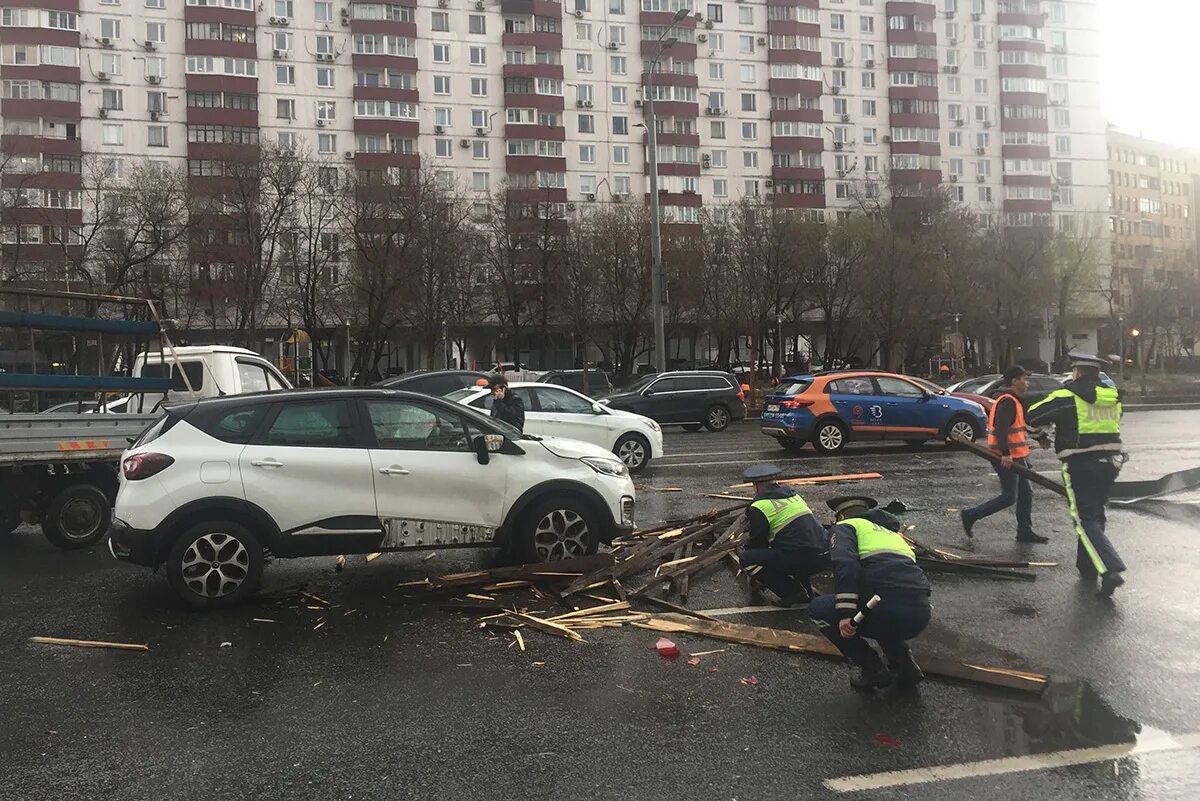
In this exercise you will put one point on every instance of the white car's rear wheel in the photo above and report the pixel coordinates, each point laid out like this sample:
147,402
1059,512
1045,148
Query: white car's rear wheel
215,563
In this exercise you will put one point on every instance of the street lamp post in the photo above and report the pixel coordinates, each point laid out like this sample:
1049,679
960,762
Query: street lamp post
658,283
1121,325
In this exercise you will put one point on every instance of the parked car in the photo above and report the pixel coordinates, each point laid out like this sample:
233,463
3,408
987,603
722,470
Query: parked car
973,385
217,483
598,382
72,407
829,410
983,400
1105,379
561,412
438,383
691,399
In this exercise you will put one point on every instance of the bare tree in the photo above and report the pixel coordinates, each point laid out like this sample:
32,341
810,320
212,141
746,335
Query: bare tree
619,248
1075,277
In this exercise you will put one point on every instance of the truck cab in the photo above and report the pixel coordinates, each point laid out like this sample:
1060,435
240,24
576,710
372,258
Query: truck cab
210,371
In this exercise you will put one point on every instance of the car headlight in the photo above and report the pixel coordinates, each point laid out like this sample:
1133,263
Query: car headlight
607,467
654,426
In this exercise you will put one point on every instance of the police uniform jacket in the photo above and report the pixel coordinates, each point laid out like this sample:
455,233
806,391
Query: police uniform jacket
871,558
779,518
1086,417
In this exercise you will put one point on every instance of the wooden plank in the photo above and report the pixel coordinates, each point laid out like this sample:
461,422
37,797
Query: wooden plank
817,645
545,626
806,481
683,610
1021,470
726,497
944,566
593,610
565,569
685,579
116,646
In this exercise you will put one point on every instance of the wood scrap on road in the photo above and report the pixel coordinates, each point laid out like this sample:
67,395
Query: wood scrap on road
116,646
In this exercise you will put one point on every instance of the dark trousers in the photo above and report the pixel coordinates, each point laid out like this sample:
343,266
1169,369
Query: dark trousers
1088,480
783,572
1013,489
889,624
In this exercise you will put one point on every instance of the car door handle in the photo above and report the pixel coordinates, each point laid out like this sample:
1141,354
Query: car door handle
394,470
268,462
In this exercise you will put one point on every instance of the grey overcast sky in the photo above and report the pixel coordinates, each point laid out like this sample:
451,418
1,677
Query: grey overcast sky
1150,67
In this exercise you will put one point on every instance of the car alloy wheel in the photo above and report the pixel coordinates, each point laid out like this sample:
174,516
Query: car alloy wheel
831,437
561,534
632,450
964,429
215,565
717,418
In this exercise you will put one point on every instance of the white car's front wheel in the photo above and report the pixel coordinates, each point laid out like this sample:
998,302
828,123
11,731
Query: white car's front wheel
215,563
556,529
634,451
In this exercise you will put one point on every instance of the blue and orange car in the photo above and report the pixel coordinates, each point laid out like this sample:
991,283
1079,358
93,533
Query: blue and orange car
831,409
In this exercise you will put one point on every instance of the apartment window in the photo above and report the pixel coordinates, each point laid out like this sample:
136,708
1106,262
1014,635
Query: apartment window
285,109
955,139
442,116
587,154
750,159
616,6
746,73
479,87
620,95
443,148
109,62
479,149
441,84
323,11
837,22
983,139
868,108
1062,145
587,184
716,42
719,158
953,85
745,44
281,40
748,101
985,194
110,28
868,80
478,56
441,53
112,99
326,143
980,59
866,24
326,110
620,154
617,65
440,22
837,50
587,123
745,15
1062,118
717,129
156,32
716,70
983,167
750,188
156,101
477,24
112,134
156,66
583,93
616,34
749,130
156,136
1058,65
870,164
284,8
869,136
583,31
583,62
720,187
479,181
325,44
716,12
620,125
479,118
981,86
285,75
156,3
325,77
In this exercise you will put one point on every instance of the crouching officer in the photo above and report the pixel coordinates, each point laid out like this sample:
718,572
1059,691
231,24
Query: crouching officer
1087,439
871,558
786,543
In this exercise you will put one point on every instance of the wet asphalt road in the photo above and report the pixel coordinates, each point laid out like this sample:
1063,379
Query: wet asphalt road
393,700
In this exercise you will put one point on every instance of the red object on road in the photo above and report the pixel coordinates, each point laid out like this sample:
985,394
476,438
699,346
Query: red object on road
666,648
886,739
750,681
695,660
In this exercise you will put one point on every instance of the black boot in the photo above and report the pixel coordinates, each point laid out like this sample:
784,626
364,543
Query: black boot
871,675
756,597
1030,536
967,523
1109,583
908,673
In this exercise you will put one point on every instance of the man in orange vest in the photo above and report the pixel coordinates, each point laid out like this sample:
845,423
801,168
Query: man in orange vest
1007,436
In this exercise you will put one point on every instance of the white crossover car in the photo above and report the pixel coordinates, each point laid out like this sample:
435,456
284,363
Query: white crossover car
554,411
216,484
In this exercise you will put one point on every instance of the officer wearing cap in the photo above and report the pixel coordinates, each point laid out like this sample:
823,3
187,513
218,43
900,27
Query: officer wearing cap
1008,437
505,405
787,544
871,558
1087,439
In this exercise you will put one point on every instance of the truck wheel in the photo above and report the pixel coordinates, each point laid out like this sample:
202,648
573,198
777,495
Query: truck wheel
78,516
215,563
634,451
558,528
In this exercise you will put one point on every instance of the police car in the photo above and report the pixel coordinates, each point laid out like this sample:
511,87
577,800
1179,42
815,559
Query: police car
831,409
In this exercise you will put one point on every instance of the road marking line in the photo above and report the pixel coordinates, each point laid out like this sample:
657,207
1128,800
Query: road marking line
1149,743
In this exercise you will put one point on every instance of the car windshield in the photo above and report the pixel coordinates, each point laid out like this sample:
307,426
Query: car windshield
928,386
792,386
973,385
459,394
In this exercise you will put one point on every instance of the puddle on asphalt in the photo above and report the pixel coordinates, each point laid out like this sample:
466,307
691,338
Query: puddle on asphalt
1068,715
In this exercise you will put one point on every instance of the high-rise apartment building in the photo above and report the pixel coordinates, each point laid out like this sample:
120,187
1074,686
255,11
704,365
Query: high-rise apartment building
817,103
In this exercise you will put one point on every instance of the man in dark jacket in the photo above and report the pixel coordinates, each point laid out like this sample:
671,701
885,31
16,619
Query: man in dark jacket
1008,438
1087,439
786,544
506,406
871,558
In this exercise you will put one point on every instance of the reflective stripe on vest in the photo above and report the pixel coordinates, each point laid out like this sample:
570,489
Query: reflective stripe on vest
781,511
1101,417
875,539
1018,446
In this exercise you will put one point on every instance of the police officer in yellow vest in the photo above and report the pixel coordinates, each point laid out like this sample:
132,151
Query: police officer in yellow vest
787,544
871,558
1087,438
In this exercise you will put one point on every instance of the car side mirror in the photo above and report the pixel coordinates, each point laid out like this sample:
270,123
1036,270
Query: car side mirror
482,454
647,393
598,408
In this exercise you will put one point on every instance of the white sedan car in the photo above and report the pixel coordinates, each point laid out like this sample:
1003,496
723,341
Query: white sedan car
554,411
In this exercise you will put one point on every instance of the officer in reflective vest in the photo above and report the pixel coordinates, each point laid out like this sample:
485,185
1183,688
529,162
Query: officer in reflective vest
1087,438
786,544
871,558
1007,437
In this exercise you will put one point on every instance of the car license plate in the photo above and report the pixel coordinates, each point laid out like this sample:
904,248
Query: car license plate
774,407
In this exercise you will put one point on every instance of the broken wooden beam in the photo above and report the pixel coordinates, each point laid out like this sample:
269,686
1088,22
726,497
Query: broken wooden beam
545,626
817,645
967,569
1019,469
805,481
116,646
553,571
682,610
